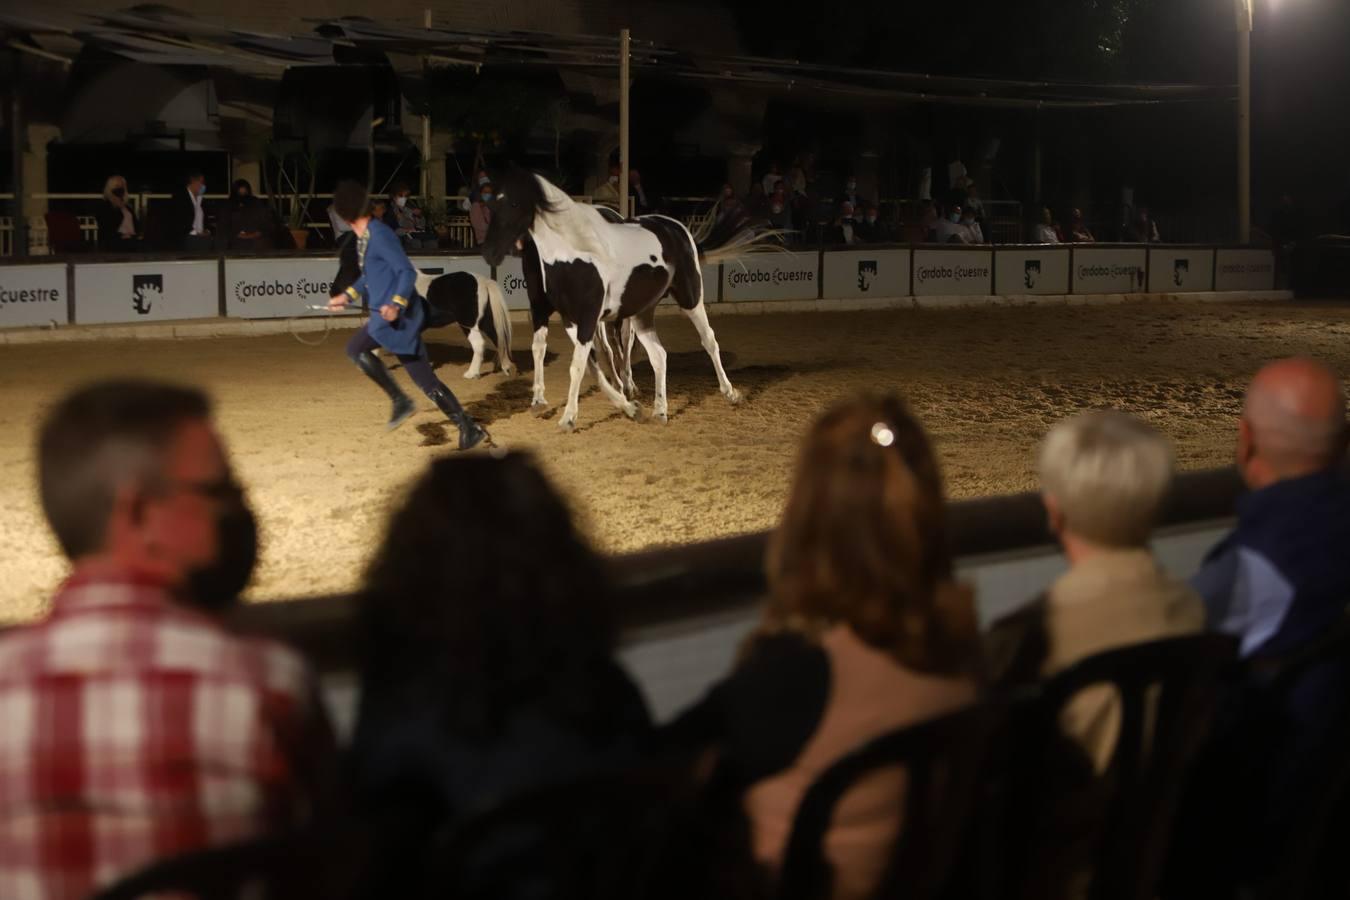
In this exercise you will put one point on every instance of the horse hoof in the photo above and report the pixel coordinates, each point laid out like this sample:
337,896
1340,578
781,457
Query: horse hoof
567,426
539,407
470,375
660,417
633,410
734,397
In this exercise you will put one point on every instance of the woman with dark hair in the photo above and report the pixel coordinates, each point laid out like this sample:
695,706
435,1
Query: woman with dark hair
487,656
247,224
865,631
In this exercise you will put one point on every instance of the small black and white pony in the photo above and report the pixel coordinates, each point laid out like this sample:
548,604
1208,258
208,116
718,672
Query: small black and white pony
473,302
594,268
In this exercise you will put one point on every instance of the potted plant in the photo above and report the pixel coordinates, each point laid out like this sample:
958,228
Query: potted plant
437,216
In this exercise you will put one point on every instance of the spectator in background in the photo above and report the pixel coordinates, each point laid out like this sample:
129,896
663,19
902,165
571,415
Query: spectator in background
379,209
973,201
643,204
779,212
1142,229
340,228
974,234
729,206
1079,233
410,223
756,203
184,226
246,224
1103,476
480,213
865,630
1046,231
851,193
118,230
487,666
772,178
136,726
872,229
949,230
608,192
928,221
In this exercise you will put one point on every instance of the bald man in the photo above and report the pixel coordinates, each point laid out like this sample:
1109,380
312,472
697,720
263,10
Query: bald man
1283,576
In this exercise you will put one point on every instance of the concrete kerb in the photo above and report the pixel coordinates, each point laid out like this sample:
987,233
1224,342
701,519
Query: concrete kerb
202,329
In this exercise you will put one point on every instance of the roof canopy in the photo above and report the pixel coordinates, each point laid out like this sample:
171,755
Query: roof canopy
162,35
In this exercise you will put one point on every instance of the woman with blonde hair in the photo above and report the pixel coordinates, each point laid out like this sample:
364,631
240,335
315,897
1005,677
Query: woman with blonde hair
865,631
118,229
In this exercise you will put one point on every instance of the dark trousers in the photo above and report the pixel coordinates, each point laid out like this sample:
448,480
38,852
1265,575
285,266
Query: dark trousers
417,366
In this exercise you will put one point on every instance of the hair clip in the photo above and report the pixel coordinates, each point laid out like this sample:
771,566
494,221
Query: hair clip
882,435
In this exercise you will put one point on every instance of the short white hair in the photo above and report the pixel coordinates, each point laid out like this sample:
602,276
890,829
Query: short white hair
1107,472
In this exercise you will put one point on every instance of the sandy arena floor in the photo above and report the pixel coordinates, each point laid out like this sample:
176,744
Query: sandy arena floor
305,429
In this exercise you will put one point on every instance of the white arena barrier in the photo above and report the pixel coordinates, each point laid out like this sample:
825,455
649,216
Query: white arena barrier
34,295
146,291
1042,269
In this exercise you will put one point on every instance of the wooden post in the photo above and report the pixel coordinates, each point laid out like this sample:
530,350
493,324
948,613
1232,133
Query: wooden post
624,40
426,124
16,131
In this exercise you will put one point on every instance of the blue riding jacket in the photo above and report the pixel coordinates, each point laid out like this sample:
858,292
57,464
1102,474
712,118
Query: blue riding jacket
388,276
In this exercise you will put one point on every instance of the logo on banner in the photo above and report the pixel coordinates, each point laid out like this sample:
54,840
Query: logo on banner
776,276
513,283
1031,273
1180,269
146,291
867,270
245,291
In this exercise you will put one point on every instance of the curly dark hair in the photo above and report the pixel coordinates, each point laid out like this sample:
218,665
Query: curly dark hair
483,596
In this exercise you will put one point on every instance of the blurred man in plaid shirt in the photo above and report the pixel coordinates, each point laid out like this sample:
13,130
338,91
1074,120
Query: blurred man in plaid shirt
132,725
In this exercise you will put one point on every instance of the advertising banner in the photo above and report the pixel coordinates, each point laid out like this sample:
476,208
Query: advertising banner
33,295
1245,270
149,291
866,273
1042,269
966,273
712,282
511,279
772,276
277,288
1175,270
1109,270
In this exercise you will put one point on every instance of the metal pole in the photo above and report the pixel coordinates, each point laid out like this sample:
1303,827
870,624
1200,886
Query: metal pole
1244,121
16,149
426,125
624,40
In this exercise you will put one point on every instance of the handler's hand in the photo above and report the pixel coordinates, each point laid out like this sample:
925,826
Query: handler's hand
389,312
337,303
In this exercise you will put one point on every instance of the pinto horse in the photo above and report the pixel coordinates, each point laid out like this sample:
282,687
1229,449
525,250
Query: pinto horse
472,302
594,268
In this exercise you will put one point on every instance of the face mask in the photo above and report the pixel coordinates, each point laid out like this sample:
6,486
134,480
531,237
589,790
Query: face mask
614,179
487,198
119,192
400,202
217,586
955,218
777,208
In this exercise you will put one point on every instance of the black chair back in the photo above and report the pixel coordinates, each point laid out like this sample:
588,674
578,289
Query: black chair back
308,865
943,759
1166,692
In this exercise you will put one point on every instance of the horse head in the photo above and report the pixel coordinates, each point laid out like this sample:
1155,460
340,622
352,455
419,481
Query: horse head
520,197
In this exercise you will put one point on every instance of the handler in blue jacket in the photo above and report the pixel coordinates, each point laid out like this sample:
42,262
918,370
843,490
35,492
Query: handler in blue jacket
398,315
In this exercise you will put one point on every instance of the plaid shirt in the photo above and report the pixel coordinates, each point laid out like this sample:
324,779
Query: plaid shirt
133,728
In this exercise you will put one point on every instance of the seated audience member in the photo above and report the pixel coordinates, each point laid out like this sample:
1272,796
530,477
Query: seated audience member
851,194
928,221
1283,576
644,203
487,665
973,201
379,209
844,228
974,234
184,227
246,224
1046,231
779,212
756,203
1142,229
772,179
871,229
480,213
410,222
117,225
865,631
1079,233
949,230
1280,582
607,192
1103,478
135,726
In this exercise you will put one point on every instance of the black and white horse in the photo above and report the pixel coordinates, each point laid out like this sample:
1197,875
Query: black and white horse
593,268
472,302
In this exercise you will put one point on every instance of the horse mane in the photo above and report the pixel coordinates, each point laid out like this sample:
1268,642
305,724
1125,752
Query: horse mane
574,221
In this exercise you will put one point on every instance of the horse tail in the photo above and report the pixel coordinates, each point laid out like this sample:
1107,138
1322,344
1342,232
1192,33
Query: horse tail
745,242
501,318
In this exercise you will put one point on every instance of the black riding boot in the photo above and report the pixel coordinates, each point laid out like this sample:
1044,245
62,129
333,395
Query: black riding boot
470,434
375,370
